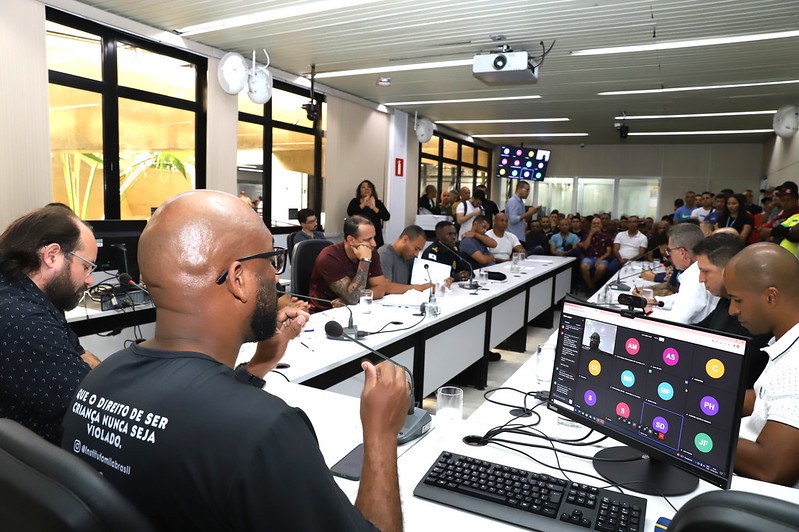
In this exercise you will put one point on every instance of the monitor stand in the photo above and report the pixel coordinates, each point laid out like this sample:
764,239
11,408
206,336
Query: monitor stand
649,476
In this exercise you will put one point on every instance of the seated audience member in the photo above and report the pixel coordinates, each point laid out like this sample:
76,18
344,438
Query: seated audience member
475,244
467,211
427,203
764,296
649,227
563,241
786,234
576,224
507,242
396,260
46,263
630,243
537,242
238,457
448,202
598,250
712,255
446,251
692,303
342,271
308,225
736,217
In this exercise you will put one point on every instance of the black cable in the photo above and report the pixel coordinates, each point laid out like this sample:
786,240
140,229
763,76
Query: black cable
396,330
282,375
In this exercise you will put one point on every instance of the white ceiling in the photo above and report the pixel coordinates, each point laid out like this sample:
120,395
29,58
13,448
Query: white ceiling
395,32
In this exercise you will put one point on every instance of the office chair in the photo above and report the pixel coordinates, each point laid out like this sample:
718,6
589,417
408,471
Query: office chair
290,243
43,487
735,511
302,262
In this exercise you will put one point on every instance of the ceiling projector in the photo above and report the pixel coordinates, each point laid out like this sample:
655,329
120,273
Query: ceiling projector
505,67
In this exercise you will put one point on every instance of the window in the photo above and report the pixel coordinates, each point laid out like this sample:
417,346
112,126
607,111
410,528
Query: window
449,163
127,119
281,152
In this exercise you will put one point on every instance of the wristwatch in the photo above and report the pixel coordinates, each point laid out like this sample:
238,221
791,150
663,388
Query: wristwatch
244,376
366,260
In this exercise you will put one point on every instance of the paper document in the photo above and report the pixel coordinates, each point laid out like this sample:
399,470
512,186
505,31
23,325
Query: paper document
438,272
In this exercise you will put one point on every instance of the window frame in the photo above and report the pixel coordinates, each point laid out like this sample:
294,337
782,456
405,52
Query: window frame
439,159
111,92
315,182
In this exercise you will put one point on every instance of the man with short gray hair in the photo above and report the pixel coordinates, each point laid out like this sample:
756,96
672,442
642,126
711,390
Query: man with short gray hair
692,303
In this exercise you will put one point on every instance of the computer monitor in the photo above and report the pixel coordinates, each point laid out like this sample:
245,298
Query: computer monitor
118,244
516,162
669,391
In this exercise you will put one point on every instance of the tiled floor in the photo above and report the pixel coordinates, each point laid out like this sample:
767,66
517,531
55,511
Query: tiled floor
498,372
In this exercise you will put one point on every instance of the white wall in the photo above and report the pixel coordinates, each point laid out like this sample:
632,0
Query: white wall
683,167
781,160
25,170
357,149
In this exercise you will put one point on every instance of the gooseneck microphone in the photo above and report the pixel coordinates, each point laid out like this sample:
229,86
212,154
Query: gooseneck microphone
418,420
126,280
623,287
472,284
431,307
351,329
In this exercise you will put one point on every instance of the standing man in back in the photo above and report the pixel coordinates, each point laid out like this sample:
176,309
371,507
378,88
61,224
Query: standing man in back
518,214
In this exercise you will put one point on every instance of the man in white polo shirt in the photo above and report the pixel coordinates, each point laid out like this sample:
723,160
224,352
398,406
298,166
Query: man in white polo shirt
630,243
764,296
507,242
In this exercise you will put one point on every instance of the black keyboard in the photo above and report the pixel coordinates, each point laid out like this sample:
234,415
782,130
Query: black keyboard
526,499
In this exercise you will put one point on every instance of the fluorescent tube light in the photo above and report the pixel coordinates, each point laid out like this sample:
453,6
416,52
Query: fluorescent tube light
699,88
280,13
695,115
394,68
523,135
510,121
463,100
687,44
712,132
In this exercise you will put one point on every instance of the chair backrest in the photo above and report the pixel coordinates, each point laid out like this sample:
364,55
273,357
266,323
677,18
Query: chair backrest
290,244
735,511
43,487
302,261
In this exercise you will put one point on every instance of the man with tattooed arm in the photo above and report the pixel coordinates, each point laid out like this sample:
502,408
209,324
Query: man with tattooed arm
342,271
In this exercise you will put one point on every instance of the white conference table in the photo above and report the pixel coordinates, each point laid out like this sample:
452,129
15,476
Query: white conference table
438,348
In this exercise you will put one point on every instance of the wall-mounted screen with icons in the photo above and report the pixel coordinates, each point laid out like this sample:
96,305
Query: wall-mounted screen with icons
516,162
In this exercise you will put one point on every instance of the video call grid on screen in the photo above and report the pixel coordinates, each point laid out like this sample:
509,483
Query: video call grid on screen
668,386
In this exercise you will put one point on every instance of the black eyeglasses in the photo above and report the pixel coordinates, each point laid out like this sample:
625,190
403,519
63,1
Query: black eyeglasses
276,257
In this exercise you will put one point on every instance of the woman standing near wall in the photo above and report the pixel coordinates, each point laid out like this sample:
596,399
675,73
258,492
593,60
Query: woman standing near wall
366,204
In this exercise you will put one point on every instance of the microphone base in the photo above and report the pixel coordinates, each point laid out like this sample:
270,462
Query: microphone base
348,331
416,425
470,285
621,287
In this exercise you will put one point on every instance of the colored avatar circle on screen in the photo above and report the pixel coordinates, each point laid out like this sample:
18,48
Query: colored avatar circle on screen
590,397
709,405
632,346
594,368
665,391
671,356
715,368
660,424
703,442
623,410
627,378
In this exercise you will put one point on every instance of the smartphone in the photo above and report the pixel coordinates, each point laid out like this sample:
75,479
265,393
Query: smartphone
349,467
